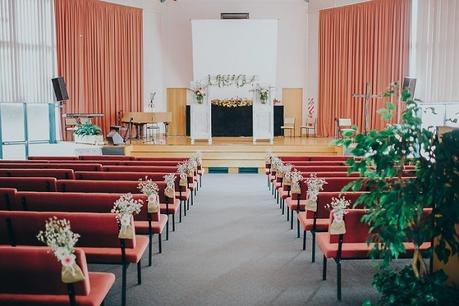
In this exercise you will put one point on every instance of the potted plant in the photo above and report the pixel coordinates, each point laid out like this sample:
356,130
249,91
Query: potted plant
398,207
88,133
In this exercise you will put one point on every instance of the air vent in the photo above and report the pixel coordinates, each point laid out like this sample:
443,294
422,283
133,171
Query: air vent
234,15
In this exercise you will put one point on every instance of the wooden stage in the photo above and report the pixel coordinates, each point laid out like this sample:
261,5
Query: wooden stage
233,152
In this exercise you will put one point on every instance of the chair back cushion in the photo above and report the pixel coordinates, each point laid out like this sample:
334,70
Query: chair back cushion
35,270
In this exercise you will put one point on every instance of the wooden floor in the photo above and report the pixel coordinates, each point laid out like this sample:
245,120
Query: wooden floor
233,152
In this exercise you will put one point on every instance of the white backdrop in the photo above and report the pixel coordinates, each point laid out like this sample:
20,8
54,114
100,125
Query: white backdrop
235,47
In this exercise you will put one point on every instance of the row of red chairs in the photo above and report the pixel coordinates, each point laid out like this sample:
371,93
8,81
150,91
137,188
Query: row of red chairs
86,203
351,245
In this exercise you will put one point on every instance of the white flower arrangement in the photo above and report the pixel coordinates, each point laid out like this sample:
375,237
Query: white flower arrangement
338,207
182,169
192,166
60,238
150,189
197,158
287,169
263,93
268,157
124,208
170,185
315,185
296,179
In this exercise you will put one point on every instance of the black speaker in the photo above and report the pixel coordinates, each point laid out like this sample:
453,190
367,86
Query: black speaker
60,90
114,138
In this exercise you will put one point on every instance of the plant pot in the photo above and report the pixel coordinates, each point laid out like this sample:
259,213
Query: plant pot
89,139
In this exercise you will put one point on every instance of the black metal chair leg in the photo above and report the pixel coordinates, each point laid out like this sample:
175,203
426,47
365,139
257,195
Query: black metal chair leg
150,248
304,240
288,213
167,227
338,279
160,243
291,219
297,227
324,268
123,284
313,254
173,222
139,272
180,212
283,207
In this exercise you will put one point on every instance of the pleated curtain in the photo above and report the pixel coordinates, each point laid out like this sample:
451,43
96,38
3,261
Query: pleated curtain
365,42
100,55
436,50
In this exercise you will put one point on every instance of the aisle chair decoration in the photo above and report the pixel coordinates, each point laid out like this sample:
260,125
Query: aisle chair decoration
296,179
197,157
150,189
170,185
182,171
315,185
124,209
59,237
338,208
268,158
287,170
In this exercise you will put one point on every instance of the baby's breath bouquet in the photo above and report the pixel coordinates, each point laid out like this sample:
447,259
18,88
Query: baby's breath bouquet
268,157
315,185
338,207
287,169
182,169
59,237
296,179
150,189
170,185
124,208
197,157
192,166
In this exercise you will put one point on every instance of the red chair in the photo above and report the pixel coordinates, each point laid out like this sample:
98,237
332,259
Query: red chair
7,198
29,183
99,237
34,278
168,206
296,203
351,245
313,158
318,221
167,169
145,223
74,165
56,173
46,158
106,157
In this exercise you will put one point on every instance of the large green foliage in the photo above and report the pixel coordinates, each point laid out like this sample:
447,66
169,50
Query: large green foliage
397,205
88,129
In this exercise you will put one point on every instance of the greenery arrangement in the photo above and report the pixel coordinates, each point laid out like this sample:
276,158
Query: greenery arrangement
224,80
399,207
88,129
232,102
264,94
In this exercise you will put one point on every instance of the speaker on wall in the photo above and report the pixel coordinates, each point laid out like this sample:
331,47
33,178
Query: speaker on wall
60,89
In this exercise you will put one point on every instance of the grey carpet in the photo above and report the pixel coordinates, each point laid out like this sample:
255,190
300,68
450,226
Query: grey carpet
235,248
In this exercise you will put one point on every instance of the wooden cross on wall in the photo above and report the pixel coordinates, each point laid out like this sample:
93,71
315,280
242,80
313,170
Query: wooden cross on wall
367,96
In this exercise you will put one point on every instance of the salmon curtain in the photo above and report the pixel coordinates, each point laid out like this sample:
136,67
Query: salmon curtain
100,55
366,42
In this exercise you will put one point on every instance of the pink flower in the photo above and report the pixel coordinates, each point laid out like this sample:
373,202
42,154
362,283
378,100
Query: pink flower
68,260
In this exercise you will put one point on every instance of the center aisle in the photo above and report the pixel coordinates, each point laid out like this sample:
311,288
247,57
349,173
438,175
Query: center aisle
234,248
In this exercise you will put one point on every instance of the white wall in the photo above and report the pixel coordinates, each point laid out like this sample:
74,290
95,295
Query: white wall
177,48
168,60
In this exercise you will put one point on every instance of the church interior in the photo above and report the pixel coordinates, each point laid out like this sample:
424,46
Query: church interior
229,152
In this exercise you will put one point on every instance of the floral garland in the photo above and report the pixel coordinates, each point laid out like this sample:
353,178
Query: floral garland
170,185
124,208
150,189
315,185
338,207
225,80
232,102
59,237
